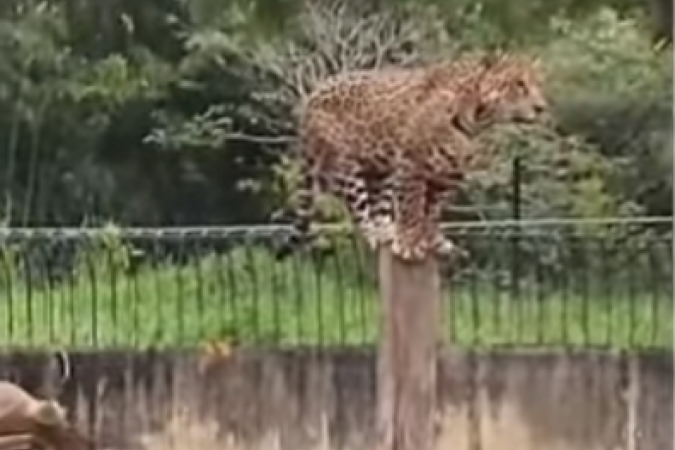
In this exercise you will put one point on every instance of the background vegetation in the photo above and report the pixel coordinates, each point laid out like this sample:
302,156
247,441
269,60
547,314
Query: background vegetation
181,112
166,112
546,289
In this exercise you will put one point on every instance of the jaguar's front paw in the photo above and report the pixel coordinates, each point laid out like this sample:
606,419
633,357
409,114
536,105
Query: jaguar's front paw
408,251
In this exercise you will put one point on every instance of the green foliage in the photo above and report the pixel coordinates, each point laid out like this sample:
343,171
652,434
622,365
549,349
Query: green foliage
105,256
247,296
166,112
174,111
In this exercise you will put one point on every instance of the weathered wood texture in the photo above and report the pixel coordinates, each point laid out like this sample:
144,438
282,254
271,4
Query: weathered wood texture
407,357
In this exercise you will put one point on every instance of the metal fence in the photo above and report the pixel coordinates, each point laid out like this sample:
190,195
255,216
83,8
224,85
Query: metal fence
548,283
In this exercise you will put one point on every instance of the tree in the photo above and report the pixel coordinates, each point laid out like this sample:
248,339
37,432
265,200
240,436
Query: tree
323,38
169,111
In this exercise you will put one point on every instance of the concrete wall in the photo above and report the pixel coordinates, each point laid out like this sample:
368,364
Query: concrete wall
304,400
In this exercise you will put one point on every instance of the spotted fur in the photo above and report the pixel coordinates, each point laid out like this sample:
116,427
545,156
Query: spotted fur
395,144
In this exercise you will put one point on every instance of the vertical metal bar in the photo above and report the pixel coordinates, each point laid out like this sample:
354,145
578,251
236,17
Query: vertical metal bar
256,305
196,256
515,238
9,264
342,332
516,302
317,265
27,278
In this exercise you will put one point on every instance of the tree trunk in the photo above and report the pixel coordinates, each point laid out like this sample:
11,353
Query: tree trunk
407,357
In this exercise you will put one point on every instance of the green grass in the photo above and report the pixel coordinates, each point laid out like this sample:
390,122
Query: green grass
249,296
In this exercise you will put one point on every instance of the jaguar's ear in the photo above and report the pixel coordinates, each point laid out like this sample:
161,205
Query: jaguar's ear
489,60
536,62
493,58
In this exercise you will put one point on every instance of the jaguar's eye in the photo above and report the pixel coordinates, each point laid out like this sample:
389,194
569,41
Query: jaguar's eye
521,86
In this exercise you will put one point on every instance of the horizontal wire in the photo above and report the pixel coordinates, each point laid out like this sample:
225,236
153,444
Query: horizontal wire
272,230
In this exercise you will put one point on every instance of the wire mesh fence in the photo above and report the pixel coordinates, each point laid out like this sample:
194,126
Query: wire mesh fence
604,284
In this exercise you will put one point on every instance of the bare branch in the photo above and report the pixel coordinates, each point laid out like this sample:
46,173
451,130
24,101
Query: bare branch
335,37
272,140
328,38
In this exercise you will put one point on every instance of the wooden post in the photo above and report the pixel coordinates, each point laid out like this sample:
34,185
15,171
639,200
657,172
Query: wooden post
407,357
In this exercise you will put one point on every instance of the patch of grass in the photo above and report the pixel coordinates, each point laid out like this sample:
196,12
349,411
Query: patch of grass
250,297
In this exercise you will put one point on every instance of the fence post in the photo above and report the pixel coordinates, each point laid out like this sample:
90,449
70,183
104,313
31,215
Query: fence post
407,356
